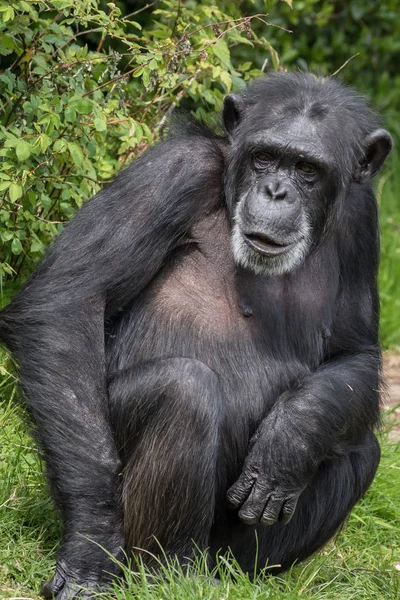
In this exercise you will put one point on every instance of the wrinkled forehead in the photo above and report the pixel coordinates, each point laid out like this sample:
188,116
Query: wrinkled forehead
298,136
315,129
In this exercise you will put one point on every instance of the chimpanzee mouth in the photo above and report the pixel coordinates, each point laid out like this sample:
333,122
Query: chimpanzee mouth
266,245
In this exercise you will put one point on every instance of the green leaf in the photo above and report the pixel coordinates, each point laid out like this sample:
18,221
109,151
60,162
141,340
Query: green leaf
6,236
235,35
81,105
91,149
245,66
4,185
221,51
146,77
60,4
138,133
16,246
11,141
45,200
36,246
8,14
7,45
40,60
76,153
70,114
100,124
226,80
9,79
45,142
273,53
60,146
15,192
23,150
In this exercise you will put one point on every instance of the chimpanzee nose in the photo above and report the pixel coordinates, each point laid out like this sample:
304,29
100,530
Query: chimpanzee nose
275,191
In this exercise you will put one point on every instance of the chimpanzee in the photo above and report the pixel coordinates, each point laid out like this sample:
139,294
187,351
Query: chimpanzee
199,347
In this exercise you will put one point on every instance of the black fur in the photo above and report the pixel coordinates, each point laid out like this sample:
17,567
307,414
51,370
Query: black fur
161,374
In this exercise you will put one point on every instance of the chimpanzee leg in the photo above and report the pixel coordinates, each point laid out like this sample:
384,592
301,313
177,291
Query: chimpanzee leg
166,415
324,505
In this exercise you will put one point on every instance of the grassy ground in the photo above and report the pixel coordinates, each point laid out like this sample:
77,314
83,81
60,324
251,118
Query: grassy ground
363,562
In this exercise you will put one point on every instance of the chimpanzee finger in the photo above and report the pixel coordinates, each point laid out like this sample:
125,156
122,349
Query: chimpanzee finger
272,510
252,509
288,509
240,490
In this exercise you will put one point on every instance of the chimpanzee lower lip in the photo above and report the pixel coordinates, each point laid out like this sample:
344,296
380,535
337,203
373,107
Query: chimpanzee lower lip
266,245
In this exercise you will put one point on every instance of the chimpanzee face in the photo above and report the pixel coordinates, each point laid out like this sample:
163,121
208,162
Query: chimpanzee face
283,184
289,164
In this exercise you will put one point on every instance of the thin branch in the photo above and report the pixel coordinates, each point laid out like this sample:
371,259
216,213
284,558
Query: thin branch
344,64
18,206
226,22
273,24
99,87
136,12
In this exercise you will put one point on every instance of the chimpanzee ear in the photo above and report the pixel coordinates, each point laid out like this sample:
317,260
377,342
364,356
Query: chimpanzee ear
377,147
232,112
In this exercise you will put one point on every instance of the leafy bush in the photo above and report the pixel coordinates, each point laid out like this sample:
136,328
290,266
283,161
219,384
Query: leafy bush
72,115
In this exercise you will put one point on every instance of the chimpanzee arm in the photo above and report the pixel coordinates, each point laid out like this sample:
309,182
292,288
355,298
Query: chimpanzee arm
55,327
333,407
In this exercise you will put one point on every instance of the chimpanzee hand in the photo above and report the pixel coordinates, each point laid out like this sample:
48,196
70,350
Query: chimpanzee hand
278,467
66,585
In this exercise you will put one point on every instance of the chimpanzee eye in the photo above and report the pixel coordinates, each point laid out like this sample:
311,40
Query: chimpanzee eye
306,168
262,158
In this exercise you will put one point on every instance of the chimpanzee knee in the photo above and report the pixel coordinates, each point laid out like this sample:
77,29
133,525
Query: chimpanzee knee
166,415
181,387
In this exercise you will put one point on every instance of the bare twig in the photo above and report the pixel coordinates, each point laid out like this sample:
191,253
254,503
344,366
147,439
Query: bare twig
18,206
99,87
344,64
273,24
136,12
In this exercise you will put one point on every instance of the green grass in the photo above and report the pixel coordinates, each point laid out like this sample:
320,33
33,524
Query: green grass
359,564
388,192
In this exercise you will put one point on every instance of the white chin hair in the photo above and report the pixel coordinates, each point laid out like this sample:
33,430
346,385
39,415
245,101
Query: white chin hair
271,265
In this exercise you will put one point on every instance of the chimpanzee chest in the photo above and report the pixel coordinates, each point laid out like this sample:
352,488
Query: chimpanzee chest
202,305
204,288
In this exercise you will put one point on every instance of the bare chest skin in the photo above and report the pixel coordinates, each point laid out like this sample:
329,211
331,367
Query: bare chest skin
200,286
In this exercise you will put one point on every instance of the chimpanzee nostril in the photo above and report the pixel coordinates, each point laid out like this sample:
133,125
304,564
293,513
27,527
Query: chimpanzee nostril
275,191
